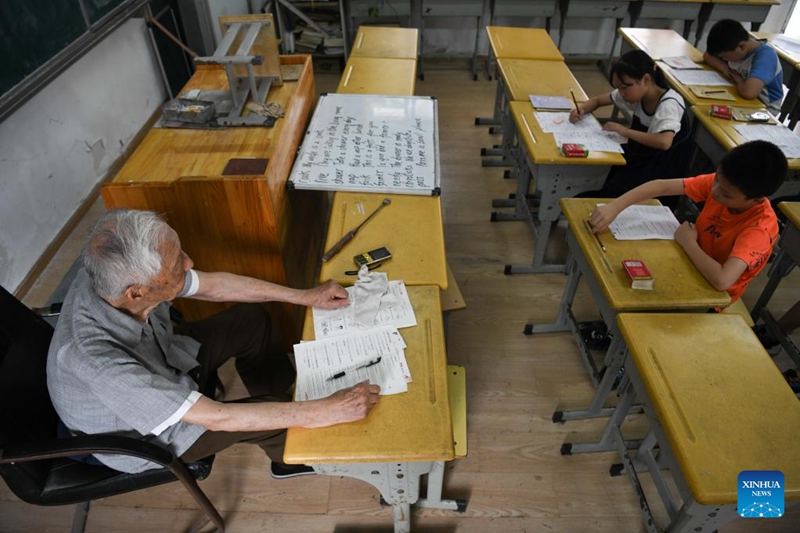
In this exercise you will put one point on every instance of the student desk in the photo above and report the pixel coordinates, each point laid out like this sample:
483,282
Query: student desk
753,11
692,99
716,136
392,43
537,159
520,79
790,65
405,436
678,287
410,227
378,75
788,257
716,405
658,43
241,220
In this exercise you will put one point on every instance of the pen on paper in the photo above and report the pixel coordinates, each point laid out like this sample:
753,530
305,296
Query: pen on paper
343,373
596,236
714,92
574,100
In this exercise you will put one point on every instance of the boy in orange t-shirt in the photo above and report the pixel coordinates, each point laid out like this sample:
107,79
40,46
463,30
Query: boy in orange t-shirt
733,237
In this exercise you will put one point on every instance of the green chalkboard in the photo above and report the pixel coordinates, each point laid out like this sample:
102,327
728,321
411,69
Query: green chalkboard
33,32
97,9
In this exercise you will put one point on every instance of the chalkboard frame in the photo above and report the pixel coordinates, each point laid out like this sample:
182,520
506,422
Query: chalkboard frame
365,100
99,24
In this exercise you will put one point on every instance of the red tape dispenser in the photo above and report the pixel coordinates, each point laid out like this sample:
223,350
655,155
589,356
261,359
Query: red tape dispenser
720,111
574,150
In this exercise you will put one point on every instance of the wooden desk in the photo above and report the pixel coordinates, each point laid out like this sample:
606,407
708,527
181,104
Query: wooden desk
753,11
678,287
693,99
515,43
658,43
538,160
385,76
690,373
405,436
715,137
245,224
411,228
520,78
788,257
392,43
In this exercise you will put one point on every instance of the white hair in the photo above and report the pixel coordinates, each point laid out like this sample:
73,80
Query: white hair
123,250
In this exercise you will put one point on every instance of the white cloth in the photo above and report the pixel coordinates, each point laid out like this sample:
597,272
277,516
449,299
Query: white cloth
370,293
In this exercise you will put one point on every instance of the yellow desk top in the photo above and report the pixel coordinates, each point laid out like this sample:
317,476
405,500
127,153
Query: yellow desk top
412,426
750,2
524,77
167,154
542,146
660,43
724,131
792,212
398,43
791,57
376,75
678,284
522,43
410,227
693,99
723,404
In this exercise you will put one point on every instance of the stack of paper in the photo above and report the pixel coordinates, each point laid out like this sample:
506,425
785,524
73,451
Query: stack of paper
681,63
779,135
333,364
540,101
639,222
700,77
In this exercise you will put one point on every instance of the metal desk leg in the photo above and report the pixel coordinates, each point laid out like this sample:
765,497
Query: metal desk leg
434,497
561,323
498,98
504,148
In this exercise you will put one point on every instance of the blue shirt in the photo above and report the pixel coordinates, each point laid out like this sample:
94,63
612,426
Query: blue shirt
763,64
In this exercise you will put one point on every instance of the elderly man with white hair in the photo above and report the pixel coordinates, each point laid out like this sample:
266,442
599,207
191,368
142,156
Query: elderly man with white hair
117,365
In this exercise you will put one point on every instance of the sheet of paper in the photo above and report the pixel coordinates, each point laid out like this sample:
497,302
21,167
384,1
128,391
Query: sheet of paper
550,102
700,77
639,222
789,45
681,63
601,141
349,355
559,123
778,134
332,322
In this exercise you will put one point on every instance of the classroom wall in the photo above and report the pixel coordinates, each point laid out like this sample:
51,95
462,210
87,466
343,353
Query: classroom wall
59,145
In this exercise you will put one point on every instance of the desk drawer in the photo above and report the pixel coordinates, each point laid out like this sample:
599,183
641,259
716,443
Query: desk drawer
452,8
595,9
740,12
670,10
383,8
524,8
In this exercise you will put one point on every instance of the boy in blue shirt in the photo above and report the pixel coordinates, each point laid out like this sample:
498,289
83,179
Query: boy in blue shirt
752,65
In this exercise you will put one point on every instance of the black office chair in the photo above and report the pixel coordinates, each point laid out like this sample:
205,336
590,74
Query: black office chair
41,468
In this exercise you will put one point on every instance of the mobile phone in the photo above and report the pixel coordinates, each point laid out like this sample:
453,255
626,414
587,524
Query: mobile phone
372,258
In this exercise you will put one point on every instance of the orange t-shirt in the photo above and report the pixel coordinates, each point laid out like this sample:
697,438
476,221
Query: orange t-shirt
748,236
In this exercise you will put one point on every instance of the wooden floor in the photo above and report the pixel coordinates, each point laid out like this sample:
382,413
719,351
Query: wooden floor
514,477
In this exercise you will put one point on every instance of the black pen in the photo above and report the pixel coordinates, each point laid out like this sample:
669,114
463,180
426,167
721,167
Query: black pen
343,373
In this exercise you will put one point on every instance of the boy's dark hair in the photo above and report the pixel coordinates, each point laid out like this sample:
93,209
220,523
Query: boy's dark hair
635,64
756,168
725,36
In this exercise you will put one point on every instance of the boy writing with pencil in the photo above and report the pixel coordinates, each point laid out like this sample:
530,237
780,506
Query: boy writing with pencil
733,237
752,65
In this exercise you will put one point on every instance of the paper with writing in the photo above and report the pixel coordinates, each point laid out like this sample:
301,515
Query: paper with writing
318,361
540,101
599,141
639,222
700,77
333,322
559,123
681,63
783,137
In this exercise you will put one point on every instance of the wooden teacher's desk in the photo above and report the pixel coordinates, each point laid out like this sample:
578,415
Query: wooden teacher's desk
410,227
244,222
717,406
393,43
406,435
678,287
379,75
788,258
716,136
538,160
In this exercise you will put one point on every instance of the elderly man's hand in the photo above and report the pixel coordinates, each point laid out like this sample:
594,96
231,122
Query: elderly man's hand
329,295
355,403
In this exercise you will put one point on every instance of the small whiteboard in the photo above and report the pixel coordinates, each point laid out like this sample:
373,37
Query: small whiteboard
366,143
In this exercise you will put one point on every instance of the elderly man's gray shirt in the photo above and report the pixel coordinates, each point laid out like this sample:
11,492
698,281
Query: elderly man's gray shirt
109,373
